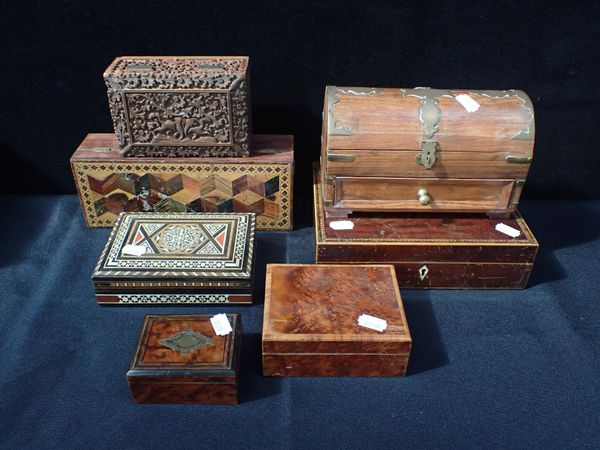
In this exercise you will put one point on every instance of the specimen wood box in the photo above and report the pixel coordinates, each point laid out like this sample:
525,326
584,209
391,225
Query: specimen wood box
431,251
425,150
180,106
163,258
310,325
180,359
109,184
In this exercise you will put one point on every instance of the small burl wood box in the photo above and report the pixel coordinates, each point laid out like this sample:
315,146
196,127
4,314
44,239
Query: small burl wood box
168,258
109,183
425,150
180,359
430,251
310,325
180,106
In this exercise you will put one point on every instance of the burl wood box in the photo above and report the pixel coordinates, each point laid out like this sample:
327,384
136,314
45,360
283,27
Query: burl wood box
310,325
425,150
180,106
109,183
168,258
180,359
430,251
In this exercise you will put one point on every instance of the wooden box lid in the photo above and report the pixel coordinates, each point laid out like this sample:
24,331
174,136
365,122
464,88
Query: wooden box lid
210,249
185,348
400,119
315,309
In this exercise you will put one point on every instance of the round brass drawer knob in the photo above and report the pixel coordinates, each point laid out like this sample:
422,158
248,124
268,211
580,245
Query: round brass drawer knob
424,197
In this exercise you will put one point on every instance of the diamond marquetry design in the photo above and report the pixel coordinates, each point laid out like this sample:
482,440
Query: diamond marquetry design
109,189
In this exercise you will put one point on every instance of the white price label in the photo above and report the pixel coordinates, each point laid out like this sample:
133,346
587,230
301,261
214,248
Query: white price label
510,231
374,323
468,103
341,225
221,324
135,250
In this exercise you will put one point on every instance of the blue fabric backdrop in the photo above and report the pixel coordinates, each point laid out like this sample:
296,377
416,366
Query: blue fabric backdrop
493,369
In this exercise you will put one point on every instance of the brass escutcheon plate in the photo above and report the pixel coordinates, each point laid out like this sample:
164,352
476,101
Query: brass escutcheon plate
186,341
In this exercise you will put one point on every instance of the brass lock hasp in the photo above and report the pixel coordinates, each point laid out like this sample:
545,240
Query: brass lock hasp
427,156
430,115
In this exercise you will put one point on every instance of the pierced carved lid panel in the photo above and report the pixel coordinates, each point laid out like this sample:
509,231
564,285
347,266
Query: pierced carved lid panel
179,245
214,72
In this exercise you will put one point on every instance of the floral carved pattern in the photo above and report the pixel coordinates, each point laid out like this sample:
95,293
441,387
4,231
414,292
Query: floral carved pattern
174,118
241,122
181,151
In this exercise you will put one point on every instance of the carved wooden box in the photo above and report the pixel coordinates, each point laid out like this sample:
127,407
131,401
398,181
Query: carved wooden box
425,150
430,251
169,258
180,106
109,184
311,328
180,359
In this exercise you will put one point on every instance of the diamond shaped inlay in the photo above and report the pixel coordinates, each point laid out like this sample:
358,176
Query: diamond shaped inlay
186,341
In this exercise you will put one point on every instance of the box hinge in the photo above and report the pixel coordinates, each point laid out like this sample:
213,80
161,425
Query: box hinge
518,159
338,158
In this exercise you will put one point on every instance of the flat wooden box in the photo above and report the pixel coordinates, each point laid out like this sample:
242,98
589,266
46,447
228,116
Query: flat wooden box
108,183
188,106
185,258
310,325
431,251
421,150
180,359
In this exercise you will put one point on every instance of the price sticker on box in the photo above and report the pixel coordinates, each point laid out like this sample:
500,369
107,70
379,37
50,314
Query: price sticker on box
508,230
372,322
341,225
133,250
221,324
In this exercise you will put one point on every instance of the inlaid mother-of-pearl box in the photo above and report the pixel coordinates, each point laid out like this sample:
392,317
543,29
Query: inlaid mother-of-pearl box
167,258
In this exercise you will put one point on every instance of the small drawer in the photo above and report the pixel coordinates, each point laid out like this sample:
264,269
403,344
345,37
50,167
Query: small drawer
422,194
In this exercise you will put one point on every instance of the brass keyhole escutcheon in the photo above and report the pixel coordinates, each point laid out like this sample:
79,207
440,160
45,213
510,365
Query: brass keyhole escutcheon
423,271
424,197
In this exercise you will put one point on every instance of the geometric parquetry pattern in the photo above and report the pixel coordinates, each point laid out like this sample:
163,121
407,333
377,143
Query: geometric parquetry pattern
212,245
107,189
193,239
